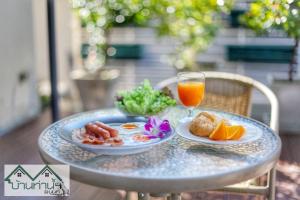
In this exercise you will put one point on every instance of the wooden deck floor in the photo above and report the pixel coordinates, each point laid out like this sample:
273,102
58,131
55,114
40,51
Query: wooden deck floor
20,147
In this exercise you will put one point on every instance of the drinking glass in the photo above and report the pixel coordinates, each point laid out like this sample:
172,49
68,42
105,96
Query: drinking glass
191,89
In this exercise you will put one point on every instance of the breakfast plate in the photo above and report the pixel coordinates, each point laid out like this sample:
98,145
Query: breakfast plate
252,132
130,132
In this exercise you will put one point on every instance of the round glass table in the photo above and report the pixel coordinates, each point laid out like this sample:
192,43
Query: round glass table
175,166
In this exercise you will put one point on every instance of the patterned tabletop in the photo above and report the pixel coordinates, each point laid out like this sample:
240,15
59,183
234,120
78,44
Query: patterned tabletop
176,166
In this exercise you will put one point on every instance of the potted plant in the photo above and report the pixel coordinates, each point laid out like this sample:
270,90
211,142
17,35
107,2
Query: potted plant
285,15
97,18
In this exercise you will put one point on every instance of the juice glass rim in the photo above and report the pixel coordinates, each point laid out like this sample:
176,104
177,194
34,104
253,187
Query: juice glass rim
190,75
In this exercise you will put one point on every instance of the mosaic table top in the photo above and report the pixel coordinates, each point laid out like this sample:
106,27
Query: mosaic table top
176,166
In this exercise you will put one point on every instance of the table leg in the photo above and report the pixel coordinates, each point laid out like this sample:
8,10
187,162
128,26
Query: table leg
131,196
159,195
174,196
143,196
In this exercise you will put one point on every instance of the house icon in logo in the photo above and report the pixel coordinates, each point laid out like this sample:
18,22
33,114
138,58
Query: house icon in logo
46,180
19,174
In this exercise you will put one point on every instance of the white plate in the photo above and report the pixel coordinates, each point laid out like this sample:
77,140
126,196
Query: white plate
70,133
252,133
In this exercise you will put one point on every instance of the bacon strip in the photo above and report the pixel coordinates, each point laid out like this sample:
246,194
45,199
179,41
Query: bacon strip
92,141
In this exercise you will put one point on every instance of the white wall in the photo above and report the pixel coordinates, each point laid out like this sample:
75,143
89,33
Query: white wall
18,99
24,49
40,33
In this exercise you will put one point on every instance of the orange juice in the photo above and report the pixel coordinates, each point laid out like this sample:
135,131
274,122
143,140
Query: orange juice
191,93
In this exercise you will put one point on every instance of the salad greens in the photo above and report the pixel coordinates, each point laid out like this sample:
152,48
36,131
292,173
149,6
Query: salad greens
143,100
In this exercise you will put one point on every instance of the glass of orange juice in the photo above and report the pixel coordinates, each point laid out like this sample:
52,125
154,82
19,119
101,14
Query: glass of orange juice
191,89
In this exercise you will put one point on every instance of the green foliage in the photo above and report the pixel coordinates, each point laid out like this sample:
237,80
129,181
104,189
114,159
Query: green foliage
266,14
193,23
283,14
108,13
45,101
143,100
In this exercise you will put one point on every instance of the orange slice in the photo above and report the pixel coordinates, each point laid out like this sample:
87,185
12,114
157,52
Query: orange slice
220,132
235,132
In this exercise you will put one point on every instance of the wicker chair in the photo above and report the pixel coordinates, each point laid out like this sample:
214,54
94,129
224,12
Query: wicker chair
232,93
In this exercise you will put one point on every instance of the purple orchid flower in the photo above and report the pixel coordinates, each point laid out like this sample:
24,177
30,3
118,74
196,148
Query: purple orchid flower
157,128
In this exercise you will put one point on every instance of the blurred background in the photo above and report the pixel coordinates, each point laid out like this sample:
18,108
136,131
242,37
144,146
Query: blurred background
103,46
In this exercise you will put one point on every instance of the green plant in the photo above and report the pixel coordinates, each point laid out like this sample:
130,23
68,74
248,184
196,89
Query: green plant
284,14
98,17
193,23
108,13
143,100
